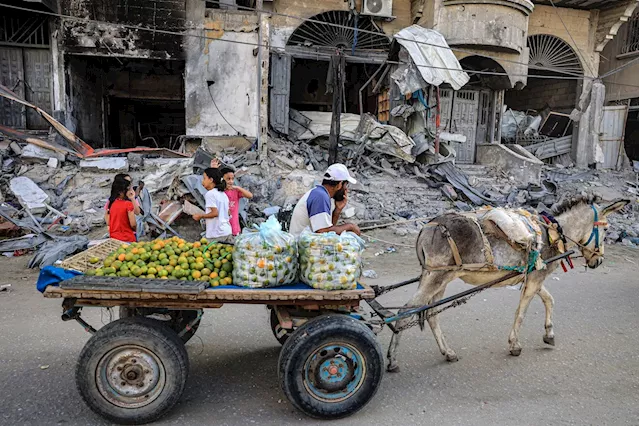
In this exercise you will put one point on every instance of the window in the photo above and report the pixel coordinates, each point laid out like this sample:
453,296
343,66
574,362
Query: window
631,41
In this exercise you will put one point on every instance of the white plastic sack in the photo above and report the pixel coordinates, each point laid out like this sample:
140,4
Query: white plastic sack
329,261
265,256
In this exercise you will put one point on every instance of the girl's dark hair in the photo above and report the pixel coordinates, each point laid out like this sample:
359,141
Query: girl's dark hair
122,176
119,187
217,176
226,170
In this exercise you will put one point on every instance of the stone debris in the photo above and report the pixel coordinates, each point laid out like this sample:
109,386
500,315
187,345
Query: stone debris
398,185
35,154
107,164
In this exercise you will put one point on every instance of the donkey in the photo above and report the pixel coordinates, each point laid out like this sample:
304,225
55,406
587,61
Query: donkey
584,225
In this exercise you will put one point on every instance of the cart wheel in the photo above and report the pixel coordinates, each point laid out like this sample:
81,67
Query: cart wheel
132,370
281,334
330,367
177,319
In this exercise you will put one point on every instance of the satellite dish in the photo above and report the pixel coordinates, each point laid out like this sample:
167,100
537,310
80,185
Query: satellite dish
374,6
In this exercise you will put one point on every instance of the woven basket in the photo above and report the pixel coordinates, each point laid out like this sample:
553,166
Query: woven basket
80,261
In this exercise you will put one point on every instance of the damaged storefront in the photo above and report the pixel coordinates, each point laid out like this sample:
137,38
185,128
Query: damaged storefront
122,87
25,66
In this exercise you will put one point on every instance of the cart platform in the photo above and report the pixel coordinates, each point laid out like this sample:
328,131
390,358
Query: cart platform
212,297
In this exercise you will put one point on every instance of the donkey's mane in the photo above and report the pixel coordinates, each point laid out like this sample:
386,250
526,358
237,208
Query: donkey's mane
566,205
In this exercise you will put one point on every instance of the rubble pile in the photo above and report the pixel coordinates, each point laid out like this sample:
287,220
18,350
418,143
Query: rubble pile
45,194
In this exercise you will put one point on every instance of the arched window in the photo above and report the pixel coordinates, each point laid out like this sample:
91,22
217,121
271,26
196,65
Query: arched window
339,29
554,53
632,43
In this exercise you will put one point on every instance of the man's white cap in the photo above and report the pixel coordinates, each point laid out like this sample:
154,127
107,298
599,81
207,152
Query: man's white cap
338,172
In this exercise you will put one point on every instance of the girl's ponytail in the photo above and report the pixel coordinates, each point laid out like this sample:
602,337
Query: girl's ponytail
217,177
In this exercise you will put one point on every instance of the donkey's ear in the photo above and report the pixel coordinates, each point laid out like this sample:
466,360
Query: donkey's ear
615,206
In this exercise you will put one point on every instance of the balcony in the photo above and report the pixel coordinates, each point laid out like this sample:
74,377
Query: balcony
490,24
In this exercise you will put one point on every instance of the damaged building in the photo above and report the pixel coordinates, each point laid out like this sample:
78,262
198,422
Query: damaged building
620,115
180,73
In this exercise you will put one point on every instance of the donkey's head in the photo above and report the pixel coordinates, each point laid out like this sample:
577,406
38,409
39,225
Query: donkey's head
585,224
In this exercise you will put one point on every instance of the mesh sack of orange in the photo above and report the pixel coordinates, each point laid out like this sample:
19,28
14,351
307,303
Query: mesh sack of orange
329,261
265,256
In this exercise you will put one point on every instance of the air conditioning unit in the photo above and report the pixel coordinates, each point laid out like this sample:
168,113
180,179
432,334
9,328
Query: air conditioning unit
381,8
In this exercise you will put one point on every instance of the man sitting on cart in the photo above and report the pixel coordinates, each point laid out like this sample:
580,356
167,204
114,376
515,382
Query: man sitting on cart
320,208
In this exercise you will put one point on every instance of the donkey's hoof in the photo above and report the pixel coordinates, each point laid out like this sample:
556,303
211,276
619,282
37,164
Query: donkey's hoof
549,340
393,368
515,351
451,357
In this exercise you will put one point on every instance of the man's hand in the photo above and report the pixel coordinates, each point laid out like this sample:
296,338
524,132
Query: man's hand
340,205
131,194
215,163
355,229
197,217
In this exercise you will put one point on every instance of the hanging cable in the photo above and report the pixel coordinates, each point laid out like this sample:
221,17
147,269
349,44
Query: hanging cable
571,37
319,54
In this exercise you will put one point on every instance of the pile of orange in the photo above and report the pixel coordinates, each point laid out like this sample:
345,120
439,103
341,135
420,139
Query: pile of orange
172,258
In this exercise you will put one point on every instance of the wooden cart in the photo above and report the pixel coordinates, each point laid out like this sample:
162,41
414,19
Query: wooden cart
134,369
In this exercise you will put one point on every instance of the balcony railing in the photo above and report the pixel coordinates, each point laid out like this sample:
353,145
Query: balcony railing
631,42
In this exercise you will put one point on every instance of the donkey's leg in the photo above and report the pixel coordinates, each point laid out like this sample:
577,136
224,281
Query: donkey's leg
434,323
429,286
531,289
547,299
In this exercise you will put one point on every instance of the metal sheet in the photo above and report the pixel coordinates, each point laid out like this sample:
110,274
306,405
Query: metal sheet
465,121
279,96
37,76
611,133
12,114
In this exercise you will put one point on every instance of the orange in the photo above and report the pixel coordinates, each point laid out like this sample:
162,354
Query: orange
122,257
199,259
261,263
196,244
196,274
213,275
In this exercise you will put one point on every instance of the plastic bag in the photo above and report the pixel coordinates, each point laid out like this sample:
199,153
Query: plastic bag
265,256
329,261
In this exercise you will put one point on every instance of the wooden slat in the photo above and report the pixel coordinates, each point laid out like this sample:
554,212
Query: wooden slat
216,296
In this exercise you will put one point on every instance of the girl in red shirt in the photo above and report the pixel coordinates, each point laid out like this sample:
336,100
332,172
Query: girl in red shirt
121,216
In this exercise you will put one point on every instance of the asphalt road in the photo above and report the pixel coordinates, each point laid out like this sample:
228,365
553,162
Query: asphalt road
589,377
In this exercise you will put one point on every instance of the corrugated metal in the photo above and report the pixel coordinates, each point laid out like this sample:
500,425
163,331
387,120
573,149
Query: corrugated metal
37,75
611,133
551,148
12,76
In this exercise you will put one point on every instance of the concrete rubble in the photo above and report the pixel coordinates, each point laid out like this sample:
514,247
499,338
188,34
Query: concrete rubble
394,185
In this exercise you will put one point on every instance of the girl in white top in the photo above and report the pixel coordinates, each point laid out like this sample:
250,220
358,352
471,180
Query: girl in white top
216,215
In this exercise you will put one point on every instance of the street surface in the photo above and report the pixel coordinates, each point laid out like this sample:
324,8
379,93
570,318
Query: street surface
589,377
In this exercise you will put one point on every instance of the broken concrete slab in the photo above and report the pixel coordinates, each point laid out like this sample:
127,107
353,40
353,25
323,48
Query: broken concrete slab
35,154
28,193
53,163
111,164
293,187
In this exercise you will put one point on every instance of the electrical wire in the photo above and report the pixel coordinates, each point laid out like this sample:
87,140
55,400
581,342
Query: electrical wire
456,49
571,37
219,112
319,54
160,31
616,70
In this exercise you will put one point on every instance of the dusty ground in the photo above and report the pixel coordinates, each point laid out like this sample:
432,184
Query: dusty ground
589,377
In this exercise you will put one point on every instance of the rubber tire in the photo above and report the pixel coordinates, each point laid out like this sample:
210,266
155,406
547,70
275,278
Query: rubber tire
176,325
273,320
309,337
141,331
